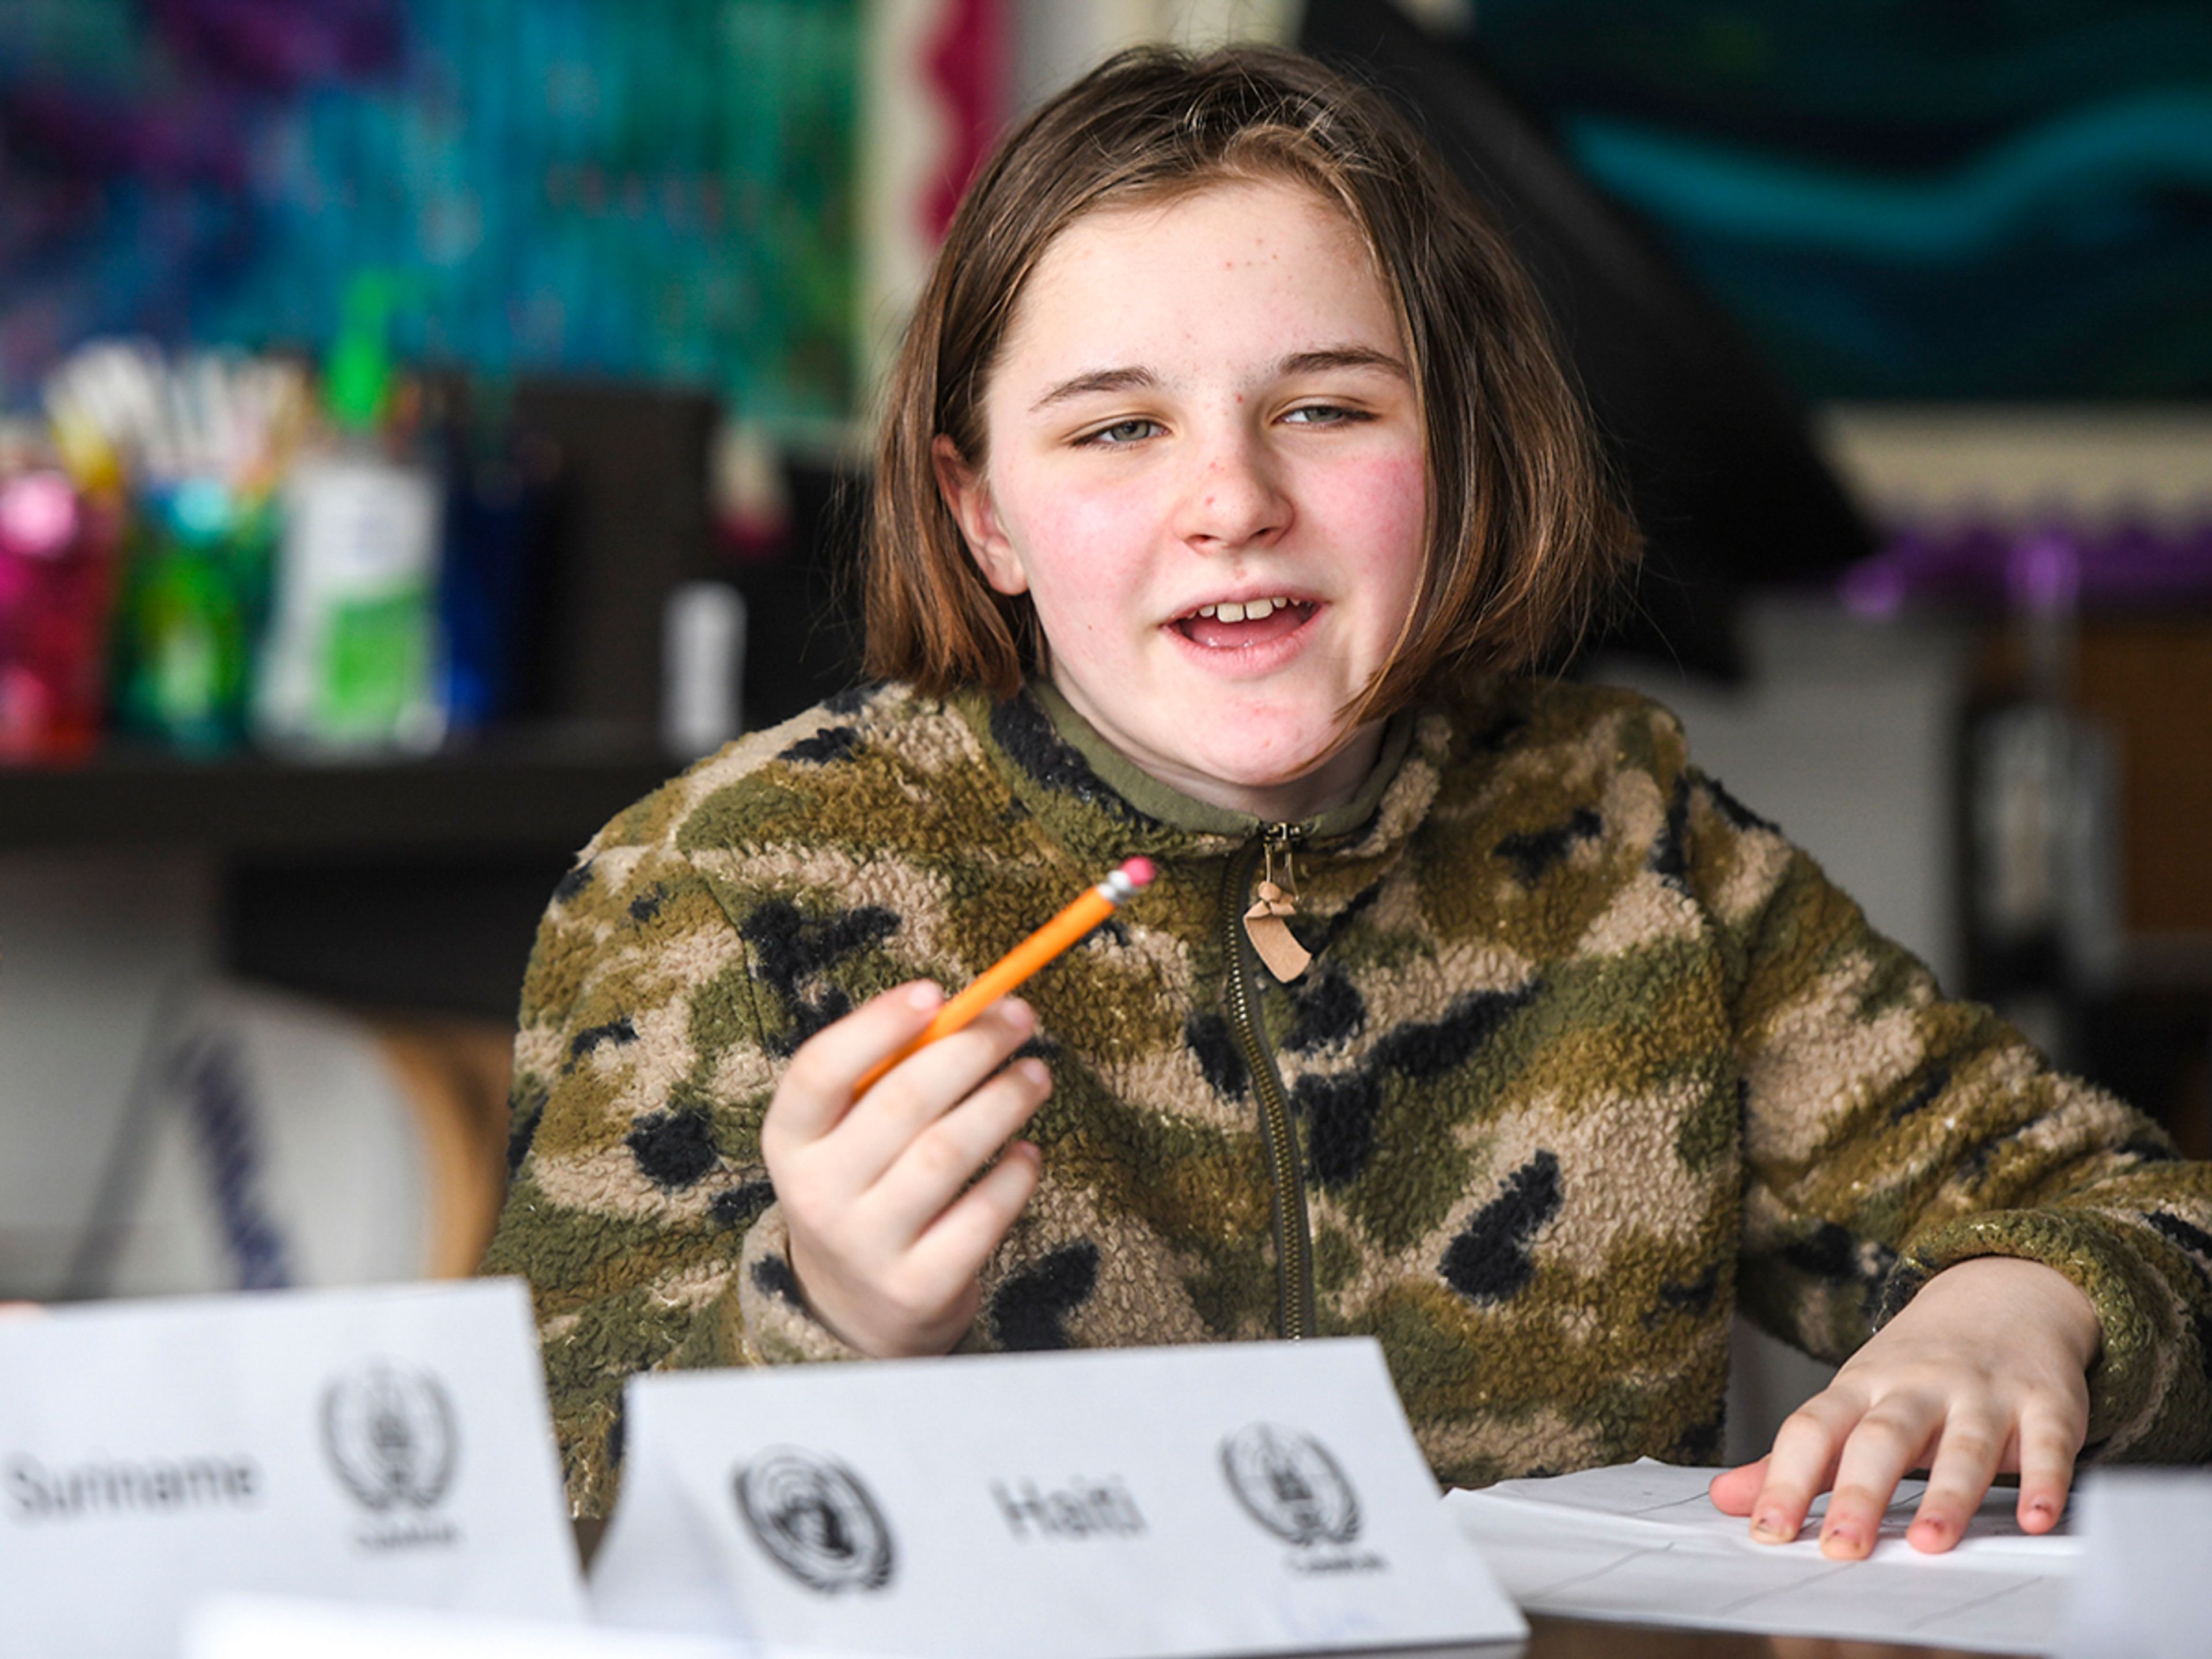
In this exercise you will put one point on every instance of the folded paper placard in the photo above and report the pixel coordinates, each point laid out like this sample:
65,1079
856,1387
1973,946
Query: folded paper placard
2146,1536
288,1627
1246,1497
385,1445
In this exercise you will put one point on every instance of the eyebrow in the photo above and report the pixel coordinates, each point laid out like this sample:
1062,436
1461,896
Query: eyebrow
1099,379
1315,363
1298,363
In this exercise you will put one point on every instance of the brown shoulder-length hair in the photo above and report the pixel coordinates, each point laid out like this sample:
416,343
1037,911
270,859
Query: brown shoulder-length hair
1525,532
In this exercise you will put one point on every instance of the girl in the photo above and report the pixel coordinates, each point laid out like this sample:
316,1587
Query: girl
1228,492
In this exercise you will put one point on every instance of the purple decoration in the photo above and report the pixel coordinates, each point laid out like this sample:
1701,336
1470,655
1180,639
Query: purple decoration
282,47
71,132
2043,571
2051,565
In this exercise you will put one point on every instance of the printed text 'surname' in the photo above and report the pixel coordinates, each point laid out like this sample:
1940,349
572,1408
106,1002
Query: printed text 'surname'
146,1486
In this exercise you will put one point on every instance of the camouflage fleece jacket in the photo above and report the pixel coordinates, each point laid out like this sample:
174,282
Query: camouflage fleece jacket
1587,1056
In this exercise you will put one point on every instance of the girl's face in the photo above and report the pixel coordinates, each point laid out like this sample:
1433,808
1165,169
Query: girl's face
1205,467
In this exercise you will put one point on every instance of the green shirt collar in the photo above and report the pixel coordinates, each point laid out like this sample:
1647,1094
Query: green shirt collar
1084,795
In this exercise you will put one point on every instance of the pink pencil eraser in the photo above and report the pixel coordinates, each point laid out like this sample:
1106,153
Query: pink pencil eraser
1139,871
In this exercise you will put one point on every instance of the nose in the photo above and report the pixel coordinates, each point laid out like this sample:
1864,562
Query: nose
1232,498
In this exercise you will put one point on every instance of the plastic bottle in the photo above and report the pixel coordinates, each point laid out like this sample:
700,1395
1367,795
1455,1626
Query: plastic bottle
2042,803
351,664
702,655
491,582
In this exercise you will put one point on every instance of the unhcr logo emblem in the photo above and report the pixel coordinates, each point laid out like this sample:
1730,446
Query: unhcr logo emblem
816,1520
1289,1485
390,1434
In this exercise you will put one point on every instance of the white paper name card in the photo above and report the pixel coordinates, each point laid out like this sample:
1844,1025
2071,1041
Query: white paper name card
376,1445
2139,1593
288,1627
1241,1498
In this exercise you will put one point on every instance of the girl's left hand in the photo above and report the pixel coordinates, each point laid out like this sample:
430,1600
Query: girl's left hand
1984,1370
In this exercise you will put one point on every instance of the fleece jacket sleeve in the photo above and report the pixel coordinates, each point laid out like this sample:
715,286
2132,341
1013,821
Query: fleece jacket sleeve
639,1209
1890,1133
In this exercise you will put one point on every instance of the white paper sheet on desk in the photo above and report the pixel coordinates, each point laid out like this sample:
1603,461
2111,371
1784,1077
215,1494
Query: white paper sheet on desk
1642,1543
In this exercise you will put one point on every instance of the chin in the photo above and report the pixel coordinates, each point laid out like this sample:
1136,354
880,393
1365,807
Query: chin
1288,763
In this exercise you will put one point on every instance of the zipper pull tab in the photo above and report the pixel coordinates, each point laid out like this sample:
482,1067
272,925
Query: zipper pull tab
1267,922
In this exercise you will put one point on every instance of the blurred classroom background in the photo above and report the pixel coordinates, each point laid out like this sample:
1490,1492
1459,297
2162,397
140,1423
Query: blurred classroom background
426,424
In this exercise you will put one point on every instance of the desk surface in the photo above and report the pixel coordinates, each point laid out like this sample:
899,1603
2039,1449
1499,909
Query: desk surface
1583,1639
1589,1639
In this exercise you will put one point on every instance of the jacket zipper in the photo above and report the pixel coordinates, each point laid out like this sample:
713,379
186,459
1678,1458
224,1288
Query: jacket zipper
1293,1229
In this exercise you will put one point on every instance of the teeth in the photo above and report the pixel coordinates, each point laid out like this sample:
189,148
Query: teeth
1251,610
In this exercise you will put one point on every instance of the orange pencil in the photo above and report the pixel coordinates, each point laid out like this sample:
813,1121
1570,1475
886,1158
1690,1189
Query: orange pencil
1057,935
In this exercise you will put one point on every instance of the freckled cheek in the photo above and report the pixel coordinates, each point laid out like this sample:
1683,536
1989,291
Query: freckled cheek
1084,549
1375,511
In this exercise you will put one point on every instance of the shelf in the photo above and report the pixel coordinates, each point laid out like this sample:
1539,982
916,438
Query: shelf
523,790
2014,461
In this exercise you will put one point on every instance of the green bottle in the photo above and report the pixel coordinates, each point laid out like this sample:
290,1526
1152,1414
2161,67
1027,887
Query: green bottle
350,665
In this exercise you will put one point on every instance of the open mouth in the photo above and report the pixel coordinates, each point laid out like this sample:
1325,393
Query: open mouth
1231,626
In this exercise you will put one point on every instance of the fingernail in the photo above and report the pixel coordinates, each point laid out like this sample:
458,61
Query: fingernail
924,996
1769,1526
1842,1538
1020,1013
1034,1069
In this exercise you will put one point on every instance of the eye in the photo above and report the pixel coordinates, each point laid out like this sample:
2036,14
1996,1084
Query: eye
1130,431
1324,415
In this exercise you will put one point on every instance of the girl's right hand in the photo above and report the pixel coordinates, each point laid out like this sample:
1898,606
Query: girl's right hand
885,1243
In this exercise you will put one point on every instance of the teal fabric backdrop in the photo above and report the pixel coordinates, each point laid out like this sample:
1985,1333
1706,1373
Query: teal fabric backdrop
1907,198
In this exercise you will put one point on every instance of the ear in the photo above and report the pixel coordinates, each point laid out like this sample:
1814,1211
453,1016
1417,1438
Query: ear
968,495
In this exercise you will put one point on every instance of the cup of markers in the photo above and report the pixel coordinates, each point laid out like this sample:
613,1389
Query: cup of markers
56,570
197,589
182,458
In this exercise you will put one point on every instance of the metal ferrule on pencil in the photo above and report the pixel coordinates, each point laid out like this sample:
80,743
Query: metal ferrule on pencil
1116,888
